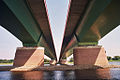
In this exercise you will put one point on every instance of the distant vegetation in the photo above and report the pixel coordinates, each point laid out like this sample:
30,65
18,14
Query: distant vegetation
71,60
6,61
115,58
46,61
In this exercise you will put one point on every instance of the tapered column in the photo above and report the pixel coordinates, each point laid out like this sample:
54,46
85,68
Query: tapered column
53,62
90,55
63,61
29,56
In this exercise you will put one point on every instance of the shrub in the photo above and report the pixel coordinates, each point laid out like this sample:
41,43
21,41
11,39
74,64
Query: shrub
116,58
109,57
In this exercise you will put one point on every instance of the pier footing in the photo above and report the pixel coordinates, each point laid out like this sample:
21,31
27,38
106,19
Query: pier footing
29,56
53,62
63,61
90,55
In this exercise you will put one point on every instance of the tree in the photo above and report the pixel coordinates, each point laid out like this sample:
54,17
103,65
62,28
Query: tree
6,61
71,60
46,60
109,57
116,58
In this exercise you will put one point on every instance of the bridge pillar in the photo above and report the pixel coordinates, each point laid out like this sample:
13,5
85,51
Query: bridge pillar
90,55
29,56
63,61
53,62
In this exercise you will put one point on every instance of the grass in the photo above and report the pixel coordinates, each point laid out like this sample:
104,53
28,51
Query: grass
46,62
71,62
5,63
109,61
87,43
113,60
12,63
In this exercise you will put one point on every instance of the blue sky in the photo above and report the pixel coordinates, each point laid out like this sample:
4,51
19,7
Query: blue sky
57,10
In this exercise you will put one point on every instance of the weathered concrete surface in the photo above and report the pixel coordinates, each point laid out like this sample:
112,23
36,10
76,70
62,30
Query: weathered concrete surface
52,62
90,55
63,61
52,68
29,56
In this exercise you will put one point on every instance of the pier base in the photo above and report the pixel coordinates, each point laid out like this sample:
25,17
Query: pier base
29,56
53,62
63,61
90,55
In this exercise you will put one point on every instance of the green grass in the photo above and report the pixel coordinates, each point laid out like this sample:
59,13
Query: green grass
87,43
46,62
71,62
113,60
5,63
109,61
12,63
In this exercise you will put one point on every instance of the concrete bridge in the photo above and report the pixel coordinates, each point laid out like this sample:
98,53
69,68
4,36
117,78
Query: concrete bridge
87,22
28,21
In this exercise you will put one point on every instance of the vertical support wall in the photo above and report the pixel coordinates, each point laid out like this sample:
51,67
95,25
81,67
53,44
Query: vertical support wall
90,55
29,56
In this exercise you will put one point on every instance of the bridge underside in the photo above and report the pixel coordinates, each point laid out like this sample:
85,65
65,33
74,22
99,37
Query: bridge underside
88,22
28,21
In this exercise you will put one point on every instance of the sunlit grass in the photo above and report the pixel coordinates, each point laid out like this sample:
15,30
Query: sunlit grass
113,60
5,63
46,62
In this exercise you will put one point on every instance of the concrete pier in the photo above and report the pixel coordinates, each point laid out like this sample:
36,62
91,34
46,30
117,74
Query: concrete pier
63,61
29,56
90,55
54,68
53,62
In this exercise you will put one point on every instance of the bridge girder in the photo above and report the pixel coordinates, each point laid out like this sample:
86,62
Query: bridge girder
98,18
19,18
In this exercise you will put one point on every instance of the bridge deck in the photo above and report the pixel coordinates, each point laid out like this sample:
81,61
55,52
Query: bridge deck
88,22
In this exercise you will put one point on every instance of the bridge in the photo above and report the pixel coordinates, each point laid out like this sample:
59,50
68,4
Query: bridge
28,21
87,22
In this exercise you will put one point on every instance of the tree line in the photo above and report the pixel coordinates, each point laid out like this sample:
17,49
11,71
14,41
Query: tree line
71,60
11,60
108,57
114,58
6,61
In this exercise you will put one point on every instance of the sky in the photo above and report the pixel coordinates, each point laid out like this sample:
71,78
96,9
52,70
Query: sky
57,10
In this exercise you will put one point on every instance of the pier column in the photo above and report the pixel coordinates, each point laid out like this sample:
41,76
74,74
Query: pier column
53,62
90,55
63,61
29,56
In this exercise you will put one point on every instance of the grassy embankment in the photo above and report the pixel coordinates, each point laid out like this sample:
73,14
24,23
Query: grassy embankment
46,62
12,63
70,62
109,61
113,60
5,63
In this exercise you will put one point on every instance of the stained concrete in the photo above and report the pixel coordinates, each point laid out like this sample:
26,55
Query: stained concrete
90,55
29,56
53,68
